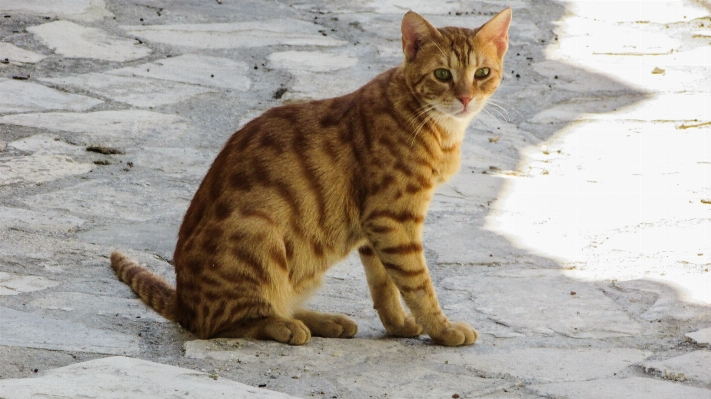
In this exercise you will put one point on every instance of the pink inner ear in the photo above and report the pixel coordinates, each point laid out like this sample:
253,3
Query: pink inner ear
414,30
496,31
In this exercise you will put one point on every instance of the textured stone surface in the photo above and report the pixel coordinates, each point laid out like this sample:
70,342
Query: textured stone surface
39,168
18,56
195,69
83,10
632,388
38,221
124,378
14,284
551,364
76,41
237,34
16,96
694,367
32,330
97,304
135,91
111,128
702,336
548,308
313,61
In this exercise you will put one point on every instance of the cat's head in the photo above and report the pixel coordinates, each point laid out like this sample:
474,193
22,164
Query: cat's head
453,71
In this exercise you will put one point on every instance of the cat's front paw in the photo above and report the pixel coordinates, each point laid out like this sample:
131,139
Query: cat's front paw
409,328
457,334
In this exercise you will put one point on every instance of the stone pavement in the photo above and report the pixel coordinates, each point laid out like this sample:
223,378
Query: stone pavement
576,238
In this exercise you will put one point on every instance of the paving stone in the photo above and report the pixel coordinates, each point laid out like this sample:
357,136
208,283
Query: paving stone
109,128
125,378
702,336
679,297
75,41
135,91
136,202
39,168
37,221
18,56
371,371
130,308
31,330
694,366
17,96
285,31
180,162
549,364
316,85
630,388
196,69
548,308
313,61
46,144
155,238
83,10
14,284
422,6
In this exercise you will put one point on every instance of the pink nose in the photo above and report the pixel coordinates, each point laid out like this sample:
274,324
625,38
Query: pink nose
465,100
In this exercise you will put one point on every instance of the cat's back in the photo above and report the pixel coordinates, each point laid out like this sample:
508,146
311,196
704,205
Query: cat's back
297,167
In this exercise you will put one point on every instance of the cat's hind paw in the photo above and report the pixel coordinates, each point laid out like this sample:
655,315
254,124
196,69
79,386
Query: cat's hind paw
328,325
292,332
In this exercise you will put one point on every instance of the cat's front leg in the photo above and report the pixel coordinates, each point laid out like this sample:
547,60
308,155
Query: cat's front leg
386,297
399,249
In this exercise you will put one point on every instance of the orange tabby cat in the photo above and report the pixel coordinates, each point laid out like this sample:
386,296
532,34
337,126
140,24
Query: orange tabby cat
300,187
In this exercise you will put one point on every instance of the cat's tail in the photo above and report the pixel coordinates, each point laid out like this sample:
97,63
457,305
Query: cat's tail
150,287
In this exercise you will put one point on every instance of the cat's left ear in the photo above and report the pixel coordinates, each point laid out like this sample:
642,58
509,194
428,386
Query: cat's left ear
415,32
496,31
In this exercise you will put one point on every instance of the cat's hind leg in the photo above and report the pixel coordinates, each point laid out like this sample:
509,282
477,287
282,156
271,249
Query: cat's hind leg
327,325
386,297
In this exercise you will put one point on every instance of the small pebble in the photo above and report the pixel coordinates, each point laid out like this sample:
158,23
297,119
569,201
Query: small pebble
572,292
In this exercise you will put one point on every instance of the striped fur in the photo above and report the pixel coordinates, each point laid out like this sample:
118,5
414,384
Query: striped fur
298,188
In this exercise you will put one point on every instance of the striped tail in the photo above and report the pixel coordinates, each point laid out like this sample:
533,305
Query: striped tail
150,287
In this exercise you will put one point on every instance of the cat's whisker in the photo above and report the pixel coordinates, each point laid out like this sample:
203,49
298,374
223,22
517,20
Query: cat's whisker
501,108
428,117
420,126
502,103
499,112
423,111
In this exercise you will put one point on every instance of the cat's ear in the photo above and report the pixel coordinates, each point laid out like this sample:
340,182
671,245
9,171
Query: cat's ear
415,31
496,31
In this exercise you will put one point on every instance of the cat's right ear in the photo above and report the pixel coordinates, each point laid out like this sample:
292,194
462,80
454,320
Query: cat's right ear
415,31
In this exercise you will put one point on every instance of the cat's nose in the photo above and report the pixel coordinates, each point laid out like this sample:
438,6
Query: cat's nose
465,100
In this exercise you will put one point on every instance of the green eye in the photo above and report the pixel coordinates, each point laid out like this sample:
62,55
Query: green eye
442,74
481,73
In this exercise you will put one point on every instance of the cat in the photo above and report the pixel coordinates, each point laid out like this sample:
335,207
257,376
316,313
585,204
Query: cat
298,188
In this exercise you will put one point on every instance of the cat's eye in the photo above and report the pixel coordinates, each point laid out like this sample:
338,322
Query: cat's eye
481,73
442,74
